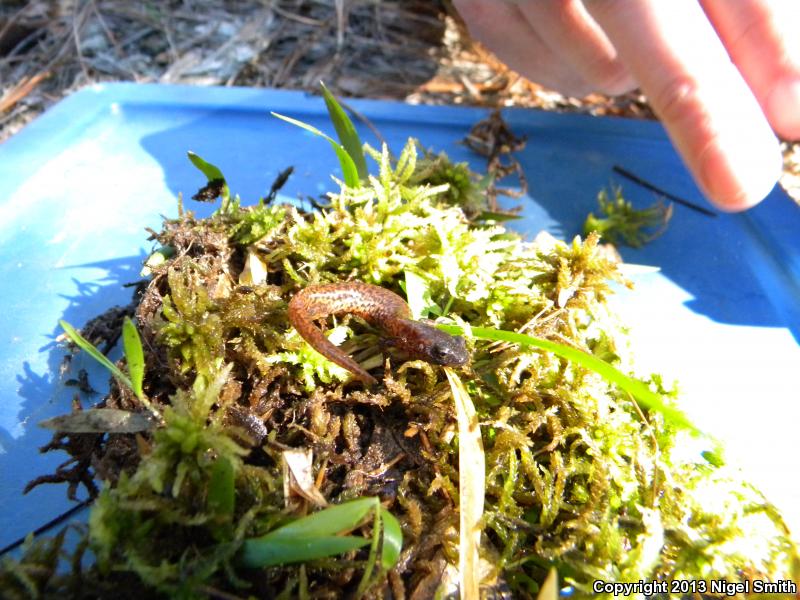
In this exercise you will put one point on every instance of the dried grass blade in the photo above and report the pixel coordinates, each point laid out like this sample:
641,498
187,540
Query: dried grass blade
471,488
549,589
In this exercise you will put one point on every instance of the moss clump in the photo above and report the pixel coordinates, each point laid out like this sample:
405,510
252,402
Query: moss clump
620,223
183,495
464,188
577,477
256,224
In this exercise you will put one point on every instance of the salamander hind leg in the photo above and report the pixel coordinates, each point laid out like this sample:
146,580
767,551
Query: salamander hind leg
324,346
317,340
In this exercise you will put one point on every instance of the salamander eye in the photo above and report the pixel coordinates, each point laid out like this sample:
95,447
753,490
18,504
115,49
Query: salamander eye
439,352
451,352
448,353
447,350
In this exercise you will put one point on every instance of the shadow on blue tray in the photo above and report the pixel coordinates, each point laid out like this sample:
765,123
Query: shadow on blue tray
43,394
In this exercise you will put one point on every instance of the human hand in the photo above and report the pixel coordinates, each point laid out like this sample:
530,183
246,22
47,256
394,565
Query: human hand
718,73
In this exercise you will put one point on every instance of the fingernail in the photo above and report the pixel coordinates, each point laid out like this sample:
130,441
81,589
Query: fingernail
784,108
739,173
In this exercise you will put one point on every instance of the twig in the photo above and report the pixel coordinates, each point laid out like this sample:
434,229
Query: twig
109,34
340,24
298,18
13,19
77,25
299,52
11,115
17,50
654,188
22,89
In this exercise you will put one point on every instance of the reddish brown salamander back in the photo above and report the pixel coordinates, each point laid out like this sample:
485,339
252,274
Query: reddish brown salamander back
379,307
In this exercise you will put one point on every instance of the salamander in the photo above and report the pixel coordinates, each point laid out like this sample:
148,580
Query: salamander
379,307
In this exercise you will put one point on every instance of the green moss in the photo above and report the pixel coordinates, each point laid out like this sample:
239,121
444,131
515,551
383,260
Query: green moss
621,223
182,495
577,477
258,223
192,328
465,188
36,573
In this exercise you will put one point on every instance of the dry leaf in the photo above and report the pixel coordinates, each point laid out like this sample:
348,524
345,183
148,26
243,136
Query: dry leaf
298,477
471,488
254,272
101,420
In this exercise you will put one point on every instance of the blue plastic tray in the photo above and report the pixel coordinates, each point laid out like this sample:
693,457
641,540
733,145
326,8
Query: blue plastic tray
78,186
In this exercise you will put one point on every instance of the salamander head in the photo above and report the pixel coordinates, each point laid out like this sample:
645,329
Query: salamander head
447,350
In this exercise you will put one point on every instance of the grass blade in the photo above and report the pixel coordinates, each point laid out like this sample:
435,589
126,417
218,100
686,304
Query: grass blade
497,217
87,347
346,132
132,345
329,521
369,566
266,552
349,169
221,487
315,536
644,395
392,540
212,173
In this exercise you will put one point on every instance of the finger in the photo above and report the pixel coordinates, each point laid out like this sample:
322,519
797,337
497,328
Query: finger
503,29
567,28
761,39
707,108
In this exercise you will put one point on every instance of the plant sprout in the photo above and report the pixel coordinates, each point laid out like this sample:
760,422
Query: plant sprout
134,355
322,534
